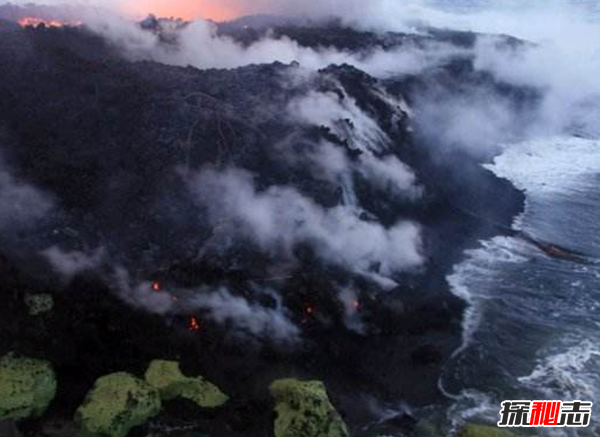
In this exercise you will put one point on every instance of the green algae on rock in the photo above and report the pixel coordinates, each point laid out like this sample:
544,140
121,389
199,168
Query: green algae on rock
304,410
117,403
39,303
168,379
27,386
474,430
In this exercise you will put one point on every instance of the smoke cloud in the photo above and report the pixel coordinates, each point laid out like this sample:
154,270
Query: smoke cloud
561,65
21,204
246,320
280,218
342,116
72,263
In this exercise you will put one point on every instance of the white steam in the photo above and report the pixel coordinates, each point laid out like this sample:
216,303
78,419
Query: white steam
330,110
71,263
342,116
199,45
475,121
246,318
563,65
243,319
140,294
567,75
21,204
278,219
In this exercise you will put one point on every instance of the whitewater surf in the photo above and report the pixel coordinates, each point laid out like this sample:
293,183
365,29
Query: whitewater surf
531,329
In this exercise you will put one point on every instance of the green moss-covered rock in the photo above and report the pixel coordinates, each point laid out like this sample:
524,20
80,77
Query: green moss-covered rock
167,378
304,410
117,403
474,430
27,387
39,303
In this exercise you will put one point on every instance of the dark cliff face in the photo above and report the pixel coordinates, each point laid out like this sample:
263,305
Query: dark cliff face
112,145
112,141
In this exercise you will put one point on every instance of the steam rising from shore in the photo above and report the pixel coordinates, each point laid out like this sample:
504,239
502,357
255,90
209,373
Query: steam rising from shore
561,67
22,205
278,219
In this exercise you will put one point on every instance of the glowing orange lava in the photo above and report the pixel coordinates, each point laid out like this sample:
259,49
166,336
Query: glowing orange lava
186,9
35,21
193,325
156,286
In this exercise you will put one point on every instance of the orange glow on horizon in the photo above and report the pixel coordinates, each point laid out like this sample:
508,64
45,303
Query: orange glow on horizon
35,21
187,9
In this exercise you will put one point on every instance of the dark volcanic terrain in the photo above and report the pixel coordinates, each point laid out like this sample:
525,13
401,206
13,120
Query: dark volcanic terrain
103,150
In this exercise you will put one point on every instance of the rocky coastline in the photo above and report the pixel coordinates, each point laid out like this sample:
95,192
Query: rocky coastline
85,331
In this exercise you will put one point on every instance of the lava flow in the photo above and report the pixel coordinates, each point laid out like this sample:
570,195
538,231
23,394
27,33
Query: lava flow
193,325
36,21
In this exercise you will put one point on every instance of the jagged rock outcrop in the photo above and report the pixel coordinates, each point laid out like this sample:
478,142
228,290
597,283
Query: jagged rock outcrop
27,386
116,404
167,378
304,410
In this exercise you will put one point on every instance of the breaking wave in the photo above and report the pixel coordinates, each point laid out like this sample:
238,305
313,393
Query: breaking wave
531,330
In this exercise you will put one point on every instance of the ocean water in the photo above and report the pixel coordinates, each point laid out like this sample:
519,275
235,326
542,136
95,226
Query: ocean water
532,327
532,330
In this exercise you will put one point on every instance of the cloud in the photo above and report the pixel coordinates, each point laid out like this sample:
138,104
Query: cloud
560,71
563,65
278,219
476,120
199,45
246,318
567,78
341,114
71,263
21,204
140,294
351,304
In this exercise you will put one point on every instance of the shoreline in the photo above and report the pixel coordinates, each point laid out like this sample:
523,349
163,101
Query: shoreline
411,332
